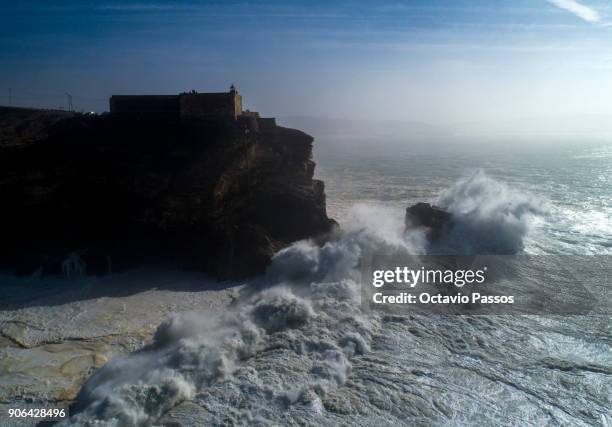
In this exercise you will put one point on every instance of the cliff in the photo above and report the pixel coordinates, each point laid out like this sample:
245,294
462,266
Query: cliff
107,194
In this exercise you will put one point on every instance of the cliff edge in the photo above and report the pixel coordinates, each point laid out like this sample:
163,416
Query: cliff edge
99,194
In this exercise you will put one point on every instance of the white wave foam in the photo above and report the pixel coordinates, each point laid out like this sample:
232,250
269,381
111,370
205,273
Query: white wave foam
488,216
291,343
193,352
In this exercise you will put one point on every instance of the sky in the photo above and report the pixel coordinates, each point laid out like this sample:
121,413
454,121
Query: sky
436,61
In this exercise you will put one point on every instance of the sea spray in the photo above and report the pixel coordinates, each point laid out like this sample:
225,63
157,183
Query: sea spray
291,344
193,353
310,312
488,217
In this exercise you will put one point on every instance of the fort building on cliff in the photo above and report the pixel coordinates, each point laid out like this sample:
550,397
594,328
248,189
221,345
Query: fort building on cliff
217,106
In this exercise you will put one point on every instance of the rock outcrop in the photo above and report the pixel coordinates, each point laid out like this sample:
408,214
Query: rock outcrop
432,218
105,194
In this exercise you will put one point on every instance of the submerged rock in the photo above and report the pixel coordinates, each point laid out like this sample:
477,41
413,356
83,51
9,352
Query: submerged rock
103,194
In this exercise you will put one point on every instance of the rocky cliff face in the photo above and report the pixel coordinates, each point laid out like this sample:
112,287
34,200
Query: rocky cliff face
105,194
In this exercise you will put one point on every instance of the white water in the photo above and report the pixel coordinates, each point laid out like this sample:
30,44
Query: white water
301,351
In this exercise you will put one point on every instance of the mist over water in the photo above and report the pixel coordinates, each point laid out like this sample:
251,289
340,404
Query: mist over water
300,350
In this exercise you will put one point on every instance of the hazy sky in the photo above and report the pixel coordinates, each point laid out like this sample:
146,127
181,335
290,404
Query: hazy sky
436,61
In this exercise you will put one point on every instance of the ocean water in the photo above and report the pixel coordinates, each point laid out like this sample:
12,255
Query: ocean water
571,176
296,348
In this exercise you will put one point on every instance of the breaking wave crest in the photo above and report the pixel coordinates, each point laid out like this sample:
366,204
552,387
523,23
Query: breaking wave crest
194,352
291,343
488,216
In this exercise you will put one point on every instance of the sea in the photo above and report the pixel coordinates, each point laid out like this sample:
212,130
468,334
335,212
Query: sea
297,347
572,175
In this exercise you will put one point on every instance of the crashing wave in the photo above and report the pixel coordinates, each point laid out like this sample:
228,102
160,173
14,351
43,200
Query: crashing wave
293,342
488,217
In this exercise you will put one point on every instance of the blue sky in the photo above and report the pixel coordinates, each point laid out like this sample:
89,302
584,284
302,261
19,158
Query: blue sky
435,61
